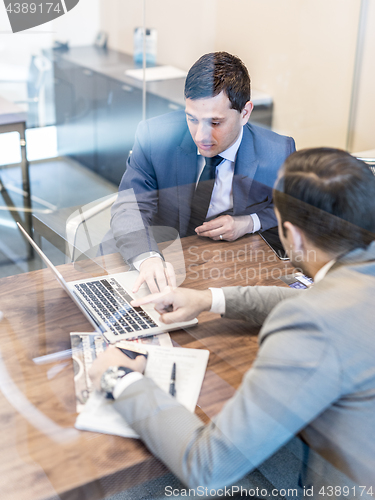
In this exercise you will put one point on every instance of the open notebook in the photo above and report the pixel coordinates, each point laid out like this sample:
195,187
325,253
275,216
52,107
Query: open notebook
98,414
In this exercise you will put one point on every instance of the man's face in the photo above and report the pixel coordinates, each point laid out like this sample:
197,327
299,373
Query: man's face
213,124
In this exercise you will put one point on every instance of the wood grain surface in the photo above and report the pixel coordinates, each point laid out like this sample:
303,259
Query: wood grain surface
41,453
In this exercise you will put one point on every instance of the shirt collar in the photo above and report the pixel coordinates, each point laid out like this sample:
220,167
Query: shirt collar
323,271
231,152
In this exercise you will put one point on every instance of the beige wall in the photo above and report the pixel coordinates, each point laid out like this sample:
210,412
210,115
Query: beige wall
184,34
302,53
299,51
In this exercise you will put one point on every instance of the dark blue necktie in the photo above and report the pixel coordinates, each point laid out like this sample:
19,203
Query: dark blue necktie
202,196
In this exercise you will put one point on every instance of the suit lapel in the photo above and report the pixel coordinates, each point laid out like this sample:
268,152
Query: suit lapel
186,161
244,172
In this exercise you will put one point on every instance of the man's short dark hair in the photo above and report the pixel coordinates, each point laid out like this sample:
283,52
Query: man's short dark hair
330,195
217,72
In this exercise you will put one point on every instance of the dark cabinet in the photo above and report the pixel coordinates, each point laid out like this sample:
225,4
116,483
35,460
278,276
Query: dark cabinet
64,106
98,110
84,117
97,114
117,122
262,115
75,92
156,106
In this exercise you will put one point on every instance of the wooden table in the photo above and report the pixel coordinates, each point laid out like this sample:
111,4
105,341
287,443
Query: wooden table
41,452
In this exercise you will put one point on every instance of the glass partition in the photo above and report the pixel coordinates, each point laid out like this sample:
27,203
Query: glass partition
84,83
310,68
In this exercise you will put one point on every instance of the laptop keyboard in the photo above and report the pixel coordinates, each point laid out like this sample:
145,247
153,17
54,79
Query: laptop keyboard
111,303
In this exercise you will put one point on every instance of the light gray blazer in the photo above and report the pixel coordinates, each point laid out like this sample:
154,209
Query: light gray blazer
314,375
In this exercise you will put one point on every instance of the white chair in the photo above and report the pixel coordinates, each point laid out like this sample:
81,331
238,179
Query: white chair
87,229
87,226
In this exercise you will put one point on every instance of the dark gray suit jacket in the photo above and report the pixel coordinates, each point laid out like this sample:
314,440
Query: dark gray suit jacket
162,172
314,375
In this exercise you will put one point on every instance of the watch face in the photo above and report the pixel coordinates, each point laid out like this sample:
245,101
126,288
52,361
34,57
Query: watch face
111,376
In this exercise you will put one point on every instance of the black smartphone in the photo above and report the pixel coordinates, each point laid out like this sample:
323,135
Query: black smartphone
271,237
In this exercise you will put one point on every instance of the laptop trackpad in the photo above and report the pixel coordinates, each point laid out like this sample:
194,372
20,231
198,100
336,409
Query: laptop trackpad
128,279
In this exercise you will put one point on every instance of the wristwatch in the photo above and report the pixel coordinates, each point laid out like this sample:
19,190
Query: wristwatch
110,378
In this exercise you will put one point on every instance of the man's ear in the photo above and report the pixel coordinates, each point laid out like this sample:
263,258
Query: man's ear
294,236
246,112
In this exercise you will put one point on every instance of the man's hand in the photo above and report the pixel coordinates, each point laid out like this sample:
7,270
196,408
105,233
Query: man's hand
157,274
112,356
230,228
179,304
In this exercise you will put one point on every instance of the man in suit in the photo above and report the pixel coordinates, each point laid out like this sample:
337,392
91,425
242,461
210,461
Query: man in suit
206,171
314,374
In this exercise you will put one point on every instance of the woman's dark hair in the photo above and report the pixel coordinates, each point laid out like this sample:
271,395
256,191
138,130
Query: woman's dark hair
330,195
217,72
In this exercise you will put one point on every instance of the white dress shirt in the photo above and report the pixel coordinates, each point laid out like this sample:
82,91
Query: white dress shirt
323,271
124,382
222,193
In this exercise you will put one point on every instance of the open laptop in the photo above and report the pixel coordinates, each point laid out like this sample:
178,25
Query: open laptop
105,301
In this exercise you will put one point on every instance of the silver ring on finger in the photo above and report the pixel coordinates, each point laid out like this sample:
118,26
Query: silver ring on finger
221,236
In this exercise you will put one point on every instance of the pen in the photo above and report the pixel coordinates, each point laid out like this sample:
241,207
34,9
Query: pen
172,385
